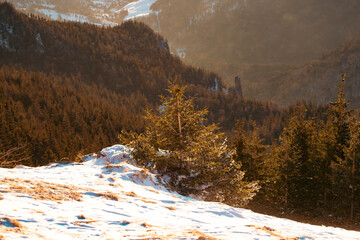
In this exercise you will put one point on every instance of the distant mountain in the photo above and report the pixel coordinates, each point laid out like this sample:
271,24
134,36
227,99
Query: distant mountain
101,12
316,81
211,32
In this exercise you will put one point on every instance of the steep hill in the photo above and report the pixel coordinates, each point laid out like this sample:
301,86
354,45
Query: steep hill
126,58
109,198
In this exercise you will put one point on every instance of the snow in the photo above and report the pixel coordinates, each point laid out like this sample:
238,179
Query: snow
69,17
5,31
138,8
144,208
181,52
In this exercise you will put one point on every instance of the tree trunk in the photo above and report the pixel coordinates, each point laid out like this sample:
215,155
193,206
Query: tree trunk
286,193
180,131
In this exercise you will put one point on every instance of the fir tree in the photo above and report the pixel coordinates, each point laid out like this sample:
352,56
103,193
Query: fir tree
294,164
336,142
352,166
177,143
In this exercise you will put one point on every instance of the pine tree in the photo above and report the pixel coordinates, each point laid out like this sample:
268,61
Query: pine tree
293,163
336,142
250,152
352,166
177,143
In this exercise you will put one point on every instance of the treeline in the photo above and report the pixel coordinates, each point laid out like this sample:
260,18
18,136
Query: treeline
53,117
315,167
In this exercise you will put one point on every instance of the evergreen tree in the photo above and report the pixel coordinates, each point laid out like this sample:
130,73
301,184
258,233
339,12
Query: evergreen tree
336,142
352,167
177,143
293,163
250,152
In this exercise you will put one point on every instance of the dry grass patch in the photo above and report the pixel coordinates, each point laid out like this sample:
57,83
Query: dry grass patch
131,194
101,176
272,232
115,185
153,190
1,197
85,222
147,201
171,208
201,235
109,195
145,225
37,211
42,190
11,221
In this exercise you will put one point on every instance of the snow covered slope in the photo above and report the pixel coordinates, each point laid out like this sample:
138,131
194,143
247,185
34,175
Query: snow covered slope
93,201
102,12
138,8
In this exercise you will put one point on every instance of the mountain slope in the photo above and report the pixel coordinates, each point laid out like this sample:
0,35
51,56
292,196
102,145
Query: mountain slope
213,32
126,202
126,58
315,81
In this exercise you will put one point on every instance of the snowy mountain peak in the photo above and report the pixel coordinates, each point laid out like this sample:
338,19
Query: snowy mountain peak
108,197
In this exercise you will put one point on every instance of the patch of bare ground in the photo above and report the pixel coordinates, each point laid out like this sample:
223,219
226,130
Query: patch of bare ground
1,197
41,190
171,208
109,195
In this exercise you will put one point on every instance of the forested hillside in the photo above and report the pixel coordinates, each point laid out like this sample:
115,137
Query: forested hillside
126,66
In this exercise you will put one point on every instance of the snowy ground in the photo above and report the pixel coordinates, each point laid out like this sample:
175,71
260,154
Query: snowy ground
92,201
